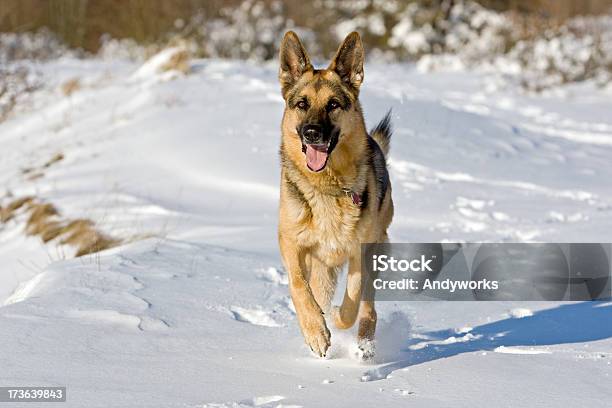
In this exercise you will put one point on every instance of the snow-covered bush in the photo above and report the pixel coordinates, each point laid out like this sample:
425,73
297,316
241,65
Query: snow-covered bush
250,31
122,49
410,30
463,34
473,37
436,34
18,78
397,30
40,45
475,33
16,83
577,51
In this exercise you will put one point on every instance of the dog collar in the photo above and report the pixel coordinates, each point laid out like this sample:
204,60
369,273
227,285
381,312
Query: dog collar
356,197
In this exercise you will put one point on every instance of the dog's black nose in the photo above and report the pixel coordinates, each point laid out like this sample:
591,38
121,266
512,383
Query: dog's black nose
312,133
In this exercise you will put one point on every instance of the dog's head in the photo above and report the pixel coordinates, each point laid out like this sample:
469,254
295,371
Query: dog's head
322,110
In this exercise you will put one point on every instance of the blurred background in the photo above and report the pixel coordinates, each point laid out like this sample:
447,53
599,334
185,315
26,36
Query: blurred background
539,43
253,26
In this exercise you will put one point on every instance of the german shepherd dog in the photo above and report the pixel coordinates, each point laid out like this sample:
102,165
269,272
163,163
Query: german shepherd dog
335,192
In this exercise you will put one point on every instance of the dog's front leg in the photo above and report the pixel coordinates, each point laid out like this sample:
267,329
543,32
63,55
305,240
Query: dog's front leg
310,315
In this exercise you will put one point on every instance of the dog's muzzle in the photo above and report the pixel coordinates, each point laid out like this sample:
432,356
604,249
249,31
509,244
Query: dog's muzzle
317,144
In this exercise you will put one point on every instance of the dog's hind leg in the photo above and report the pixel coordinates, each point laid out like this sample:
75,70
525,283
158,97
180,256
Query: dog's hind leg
367,321
367,310
322,280
367,315
345,315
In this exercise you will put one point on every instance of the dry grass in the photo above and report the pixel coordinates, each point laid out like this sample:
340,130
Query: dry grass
74,230
34,173
41,218
20,202
51,231
56,158
8,212
179,61
81,233
35,176
45,221
94,242
70,86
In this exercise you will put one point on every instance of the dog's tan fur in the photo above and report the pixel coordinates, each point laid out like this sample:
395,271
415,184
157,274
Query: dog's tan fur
321,227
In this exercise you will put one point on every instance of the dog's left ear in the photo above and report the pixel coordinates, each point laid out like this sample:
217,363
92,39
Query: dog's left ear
348,62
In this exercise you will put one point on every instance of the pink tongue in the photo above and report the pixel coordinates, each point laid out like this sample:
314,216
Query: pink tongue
316,156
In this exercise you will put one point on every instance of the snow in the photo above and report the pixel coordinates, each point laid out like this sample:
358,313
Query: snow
520,312
193,309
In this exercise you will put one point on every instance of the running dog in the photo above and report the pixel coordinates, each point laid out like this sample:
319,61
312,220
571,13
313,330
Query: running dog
335,191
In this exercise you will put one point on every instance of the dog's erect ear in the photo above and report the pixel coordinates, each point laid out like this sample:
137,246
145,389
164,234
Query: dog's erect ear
348,62
294,61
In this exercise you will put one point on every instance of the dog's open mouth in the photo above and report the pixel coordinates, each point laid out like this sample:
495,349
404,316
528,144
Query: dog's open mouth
316,155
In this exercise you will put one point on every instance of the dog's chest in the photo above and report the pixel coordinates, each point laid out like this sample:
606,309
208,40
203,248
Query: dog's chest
331,228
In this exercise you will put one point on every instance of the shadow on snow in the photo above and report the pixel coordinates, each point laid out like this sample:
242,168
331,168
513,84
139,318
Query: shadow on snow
569,323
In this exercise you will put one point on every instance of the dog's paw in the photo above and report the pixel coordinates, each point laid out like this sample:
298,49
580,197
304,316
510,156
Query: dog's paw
366,350
317,336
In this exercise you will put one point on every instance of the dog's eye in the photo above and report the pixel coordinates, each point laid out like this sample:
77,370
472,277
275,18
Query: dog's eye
332,105
303,105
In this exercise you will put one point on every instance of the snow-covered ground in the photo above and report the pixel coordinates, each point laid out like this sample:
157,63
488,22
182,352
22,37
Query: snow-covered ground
194,309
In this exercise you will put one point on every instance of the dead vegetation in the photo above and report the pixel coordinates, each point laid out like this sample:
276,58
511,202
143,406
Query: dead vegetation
179,61
8,212
82,23
56,158
35,176
70,86
46,222
41,218
34,173
17,83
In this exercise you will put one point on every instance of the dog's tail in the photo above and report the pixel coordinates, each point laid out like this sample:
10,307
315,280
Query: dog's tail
381,133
